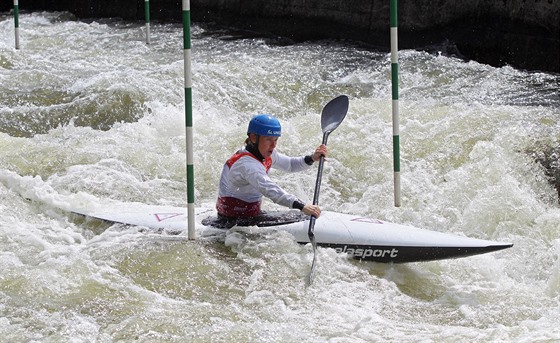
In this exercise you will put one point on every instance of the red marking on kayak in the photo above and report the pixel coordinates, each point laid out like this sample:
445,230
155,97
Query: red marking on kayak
164,216
367,220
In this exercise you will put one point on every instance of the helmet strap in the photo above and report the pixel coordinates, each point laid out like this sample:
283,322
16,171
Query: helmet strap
253,148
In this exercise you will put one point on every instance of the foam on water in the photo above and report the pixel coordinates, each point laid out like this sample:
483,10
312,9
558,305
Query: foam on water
89,115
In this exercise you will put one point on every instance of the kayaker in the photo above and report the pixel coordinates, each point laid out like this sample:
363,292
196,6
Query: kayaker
245,180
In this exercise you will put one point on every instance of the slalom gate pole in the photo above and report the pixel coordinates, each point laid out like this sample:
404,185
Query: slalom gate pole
16,22
395,103
188,116
147,16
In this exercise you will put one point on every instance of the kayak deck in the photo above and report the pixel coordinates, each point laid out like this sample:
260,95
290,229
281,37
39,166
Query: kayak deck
368,239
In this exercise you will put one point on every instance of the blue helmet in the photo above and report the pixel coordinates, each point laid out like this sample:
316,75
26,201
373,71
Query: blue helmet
265,125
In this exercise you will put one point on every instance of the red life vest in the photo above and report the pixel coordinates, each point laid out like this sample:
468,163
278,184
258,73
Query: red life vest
233,207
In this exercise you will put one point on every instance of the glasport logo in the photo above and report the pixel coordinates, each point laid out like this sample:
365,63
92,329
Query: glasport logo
364,253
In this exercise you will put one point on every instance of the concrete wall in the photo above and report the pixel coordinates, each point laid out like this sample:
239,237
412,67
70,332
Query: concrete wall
522,33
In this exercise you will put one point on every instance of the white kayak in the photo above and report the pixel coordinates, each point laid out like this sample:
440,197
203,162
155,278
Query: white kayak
360,237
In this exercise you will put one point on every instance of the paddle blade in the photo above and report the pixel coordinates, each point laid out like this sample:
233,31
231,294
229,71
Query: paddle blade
333,113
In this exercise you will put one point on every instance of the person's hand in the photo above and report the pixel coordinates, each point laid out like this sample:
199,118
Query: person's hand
312,210
320,151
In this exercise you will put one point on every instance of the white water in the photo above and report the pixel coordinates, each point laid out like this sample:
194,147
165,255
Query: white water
88,112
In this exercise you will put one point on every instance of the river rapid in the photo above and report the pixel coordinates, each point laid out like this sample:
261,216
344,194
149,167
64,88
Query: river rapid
91,114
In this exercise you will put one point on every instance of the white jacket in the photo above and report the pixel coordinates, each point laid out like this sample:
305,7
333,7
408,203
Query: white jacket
247,178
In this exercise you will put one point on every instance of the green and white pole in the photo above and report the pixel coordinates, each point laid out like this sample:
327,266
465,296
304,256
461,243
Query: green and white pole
147,16
395,103
188,116
16,22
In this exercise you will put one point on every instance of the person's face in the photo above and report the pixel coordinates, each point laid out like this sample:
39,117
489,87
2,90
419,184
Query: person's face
267,144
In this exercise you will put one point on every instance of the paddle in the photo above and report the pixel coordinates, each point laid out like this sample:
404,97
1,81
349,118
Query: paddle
331,117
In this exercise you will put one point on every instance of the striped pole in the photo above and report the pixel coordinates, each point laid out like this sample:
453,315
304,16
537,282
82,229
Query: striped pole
188,116
147,16
16,22
395,103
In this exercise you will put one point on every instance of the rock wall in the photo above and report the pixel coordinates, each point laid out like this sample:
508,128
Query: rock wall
524,34
549,158
521,33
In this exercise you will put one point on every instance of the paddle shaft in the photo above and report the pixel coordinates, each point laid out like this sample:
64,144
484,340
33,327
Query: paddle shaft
310,232
332,115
